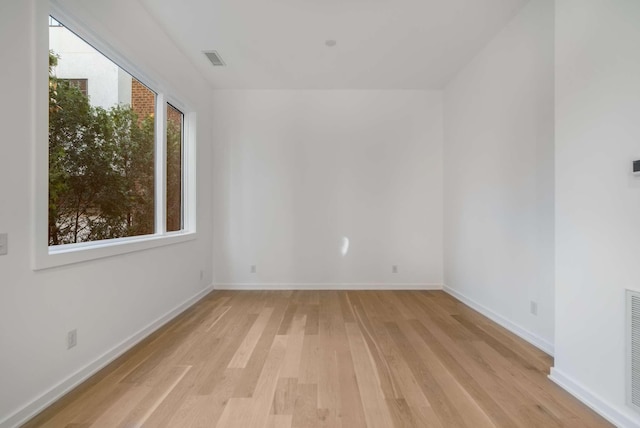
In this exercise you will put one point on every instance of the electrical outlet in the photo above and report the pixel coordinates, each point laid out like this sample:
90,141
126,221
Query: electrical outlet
533,308
4,244
72,338
394,269
253,269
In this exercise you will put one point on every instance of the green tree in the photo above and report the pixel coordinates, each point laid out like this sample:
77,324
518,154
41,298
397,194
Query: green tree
100,168
174,171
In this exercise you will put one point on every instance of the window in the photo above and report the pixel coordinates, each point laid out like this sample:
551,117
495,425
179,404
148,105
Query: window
53,22
81,84
117,170
175,123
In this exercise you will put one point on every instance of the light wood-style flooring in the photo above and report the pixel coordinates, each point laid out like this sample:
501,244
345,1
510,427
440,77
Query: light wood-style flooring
325,359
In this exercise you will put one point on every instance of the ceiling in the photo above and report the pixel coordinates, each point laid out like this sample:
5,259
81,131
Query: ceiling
380,44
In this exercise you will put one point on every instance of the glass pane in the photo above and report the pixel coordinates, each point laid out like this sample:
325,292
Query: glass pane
101,145
175,120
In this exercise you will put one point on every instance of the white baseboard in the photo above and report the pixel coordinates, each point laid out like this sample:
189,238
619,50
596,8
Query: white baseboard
34,407
523,333
600,406
325,286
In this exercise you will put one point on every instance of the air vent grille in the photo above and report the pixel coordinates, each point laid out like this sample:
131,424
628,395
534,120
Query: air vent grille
215,58
633,349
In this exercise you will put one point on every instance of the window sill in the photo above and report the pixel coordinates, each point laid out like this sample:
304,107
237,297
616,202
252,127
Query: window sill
76,253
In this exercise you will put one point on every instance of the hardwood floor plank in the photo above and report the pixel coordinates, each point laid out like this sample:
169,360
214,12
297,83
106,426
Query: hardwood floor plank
152,409
157,393
330,334
311,327
305,412
309,360
114,415
401,413
284,398
279,421
224,310
244,351
387,384
424,414
208,408
376,410
483,394
351,409
255,365
218,359
235,414
287,319
338,359
541,391
426,377
295,342
345,307
254,411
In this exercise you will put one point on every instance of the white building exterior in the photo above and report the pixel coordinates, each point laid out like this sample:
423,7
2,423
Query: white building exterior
107,84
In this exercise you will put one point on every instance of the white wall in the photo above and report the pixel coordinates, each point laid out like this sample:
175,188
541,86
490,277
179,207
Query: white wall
498,183
107,300
296,171
597,198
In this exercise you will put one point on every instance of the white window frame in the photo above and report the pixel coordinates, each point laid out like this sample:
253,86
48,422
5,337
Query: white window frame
45,256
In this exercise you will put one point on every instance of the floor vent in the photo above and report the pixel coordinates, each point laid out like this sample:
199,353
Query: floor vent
633,349
214,57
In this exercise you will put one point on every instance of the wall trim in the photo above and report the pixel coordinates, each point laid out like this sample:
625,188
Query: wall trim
325,286
43,401
514,328
600,406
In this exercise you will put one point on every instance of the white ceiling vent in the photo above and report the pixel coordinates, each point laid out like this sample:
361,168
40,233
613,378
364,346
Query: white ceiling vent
633,349
215,58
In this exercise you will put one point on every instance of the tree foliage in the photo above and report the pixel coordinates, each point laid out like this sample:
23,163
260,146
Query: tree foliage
174,170
101,168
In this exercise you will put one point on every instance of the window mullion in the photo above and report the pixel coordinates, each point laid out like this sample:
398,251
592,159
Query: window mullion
161,165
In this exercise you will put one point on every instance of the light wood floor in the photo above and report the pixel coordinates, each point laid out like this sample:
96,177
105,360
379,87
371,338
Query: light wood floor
325,359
